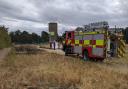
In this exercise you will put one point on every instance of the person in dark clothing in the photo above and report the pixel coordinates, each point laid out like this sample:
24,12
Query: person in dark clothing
112,48
51,45
54,43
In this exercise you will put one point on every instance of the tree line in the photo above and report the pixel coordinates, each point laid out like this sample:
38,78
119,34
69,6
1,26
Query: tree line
25,37
21,37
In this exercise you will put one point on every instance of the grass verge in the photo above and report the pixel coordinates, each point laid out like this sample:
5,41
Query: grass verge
52,71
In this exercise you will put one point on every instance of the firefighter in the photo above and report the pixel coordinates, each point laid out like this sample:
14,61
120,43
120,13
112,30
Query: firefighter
112,48
54,44
51,45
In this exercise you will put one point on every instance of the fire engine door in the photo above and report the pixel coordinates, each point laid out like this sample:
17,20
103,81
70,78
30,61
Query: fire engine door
69,37
78,44
98,45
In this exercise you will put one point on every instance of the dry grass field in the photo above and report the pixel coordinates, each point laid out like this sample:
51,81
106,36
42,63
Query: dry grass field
53,71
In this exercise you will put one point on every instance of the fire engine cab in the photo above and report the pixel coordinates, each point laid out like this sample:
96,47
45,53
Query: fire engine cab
90,45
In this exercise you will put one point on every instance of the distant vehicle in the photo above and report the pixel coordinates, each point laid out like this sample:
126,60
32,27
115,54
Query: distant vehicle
90,45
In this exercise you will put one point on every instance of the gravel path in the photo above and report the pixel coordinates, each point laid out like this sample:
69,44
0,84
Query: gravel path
57,51
4,52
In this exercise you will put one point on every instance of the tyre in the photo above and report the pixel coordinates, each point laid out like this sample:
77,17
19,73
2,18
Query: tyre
101,60
85,56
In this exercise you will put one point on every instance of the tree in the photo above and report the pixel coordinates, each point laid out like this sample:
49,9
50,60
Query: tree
12,35
25,37
80,29
44,36
64,35
5,40
126,34
17,36
36,38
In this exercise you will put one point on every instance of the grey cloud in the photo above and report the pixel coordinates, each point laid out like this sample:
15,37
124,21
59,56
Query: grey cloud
8,10
13,11
80,12
66,12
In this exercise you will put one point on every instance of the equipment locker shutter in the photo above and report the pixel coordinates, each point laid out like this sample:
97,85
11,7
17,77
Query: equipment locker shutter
99,41
87,39
78,47
98,51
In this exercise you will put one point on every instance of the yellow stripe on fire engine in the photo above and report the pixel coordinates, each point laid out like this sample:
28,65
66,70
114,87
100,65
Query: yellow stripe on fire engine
80,44
81,33
76,41
100,42
94,46
69,41
86,42
90,33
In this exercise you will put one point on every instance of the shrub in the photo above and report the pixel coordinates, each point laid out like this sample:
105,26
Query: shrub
5,40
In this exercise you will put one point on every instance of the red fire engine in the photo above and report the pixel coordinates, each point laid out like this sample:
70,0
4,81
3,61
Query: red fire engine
90,45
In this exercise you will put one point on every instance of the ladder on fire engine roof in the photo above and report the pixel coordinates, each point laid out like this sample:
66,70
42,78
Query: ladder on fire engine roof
91,32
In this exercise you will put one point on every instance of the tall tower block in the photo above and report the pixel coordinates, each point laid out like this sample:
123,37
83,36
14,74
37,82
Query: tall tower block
53,30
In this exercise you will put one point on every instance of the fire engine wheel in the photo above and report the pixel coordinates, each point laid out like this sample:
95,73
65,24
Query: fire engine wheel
85,56
101,60
98,60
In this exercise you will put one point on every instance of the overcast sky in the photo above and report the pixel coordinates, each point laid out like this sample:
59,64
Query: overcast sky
33,15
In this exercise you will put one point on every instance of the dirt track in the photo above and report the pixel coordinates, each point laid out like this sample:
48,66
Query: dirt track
57,51
4,52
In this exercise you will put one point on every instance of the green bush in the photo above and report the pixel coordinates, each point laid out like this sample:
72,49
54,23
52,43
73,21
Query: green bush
5,40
